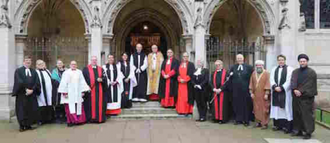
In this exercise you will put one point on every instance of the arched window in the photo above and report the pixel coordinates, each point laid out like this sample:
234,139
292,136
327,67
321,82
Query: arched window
308,8
325,14
317,13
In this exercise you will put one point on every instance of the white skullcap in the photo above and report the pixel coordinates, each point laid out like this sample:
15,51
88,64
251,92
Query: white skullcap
259,62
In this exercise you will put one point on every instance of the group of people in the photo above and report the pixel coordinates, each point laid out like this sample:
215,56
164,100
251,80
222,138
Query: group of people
242,93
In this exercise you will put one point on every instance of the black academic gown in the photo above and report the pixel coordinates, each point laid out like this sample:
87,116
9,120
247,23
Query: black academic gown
174,80
201,95
242,102
26,106
220,106
46,112
304,80
125,101
88,97
140,91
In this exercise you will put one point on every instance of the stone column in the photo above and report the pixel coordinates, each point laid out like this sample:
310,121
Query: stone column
20,47
96,31
107,47
199,33
7,64
271,60
288,29
188,40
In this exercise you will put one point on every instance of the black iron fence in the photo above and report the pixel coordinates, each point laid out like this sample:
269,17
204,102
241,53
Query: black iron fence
64,48
226,50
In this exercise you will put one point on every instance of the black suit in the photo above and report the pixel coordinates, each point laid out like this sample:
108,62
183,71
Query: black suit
201,95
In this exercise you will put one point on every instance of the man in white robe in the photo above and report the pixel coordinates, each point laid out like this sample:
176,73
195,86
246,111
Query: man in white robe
45,97
72,87
114,87
281,100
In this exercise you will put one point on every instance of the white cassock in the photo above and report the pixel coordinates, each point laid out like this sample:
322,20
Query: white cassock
74,84
48,84
275,111
120,86
132,79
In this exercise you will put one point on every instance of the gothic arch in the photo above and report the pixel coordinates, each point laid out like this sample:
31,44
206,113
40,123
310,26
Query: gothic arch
26,8
114,8
150,15
261,6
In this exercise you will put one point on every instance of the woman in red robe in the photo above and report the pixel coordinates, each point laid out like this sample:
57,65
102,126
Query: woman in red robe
185,101
168,85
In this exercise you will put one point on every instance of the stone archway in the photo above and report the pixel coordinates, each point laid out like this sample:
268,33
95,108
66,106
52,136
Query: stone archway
114,7
261,6
161,14
26,8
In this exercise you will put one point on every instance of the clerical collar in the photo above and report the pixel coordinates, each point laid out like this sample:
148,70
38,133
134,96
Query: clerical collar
219,70
281,66
93,66
303,68
26,67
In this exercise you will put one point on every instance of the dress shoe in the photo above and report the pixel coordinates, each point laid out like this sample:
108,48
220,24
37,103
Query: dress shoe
275,128
246,124
264,127
221,122
237,122
296,133
307,136
29,128
202,120
198,120
286,131
70,124
22,129
257,125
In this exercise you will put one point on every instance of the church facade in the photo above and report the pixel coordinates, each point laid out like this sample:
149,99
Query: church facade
206,29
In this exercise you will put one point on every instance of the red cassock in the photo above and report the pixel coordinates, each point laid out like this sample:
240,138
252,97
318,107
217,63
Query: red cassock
168,101
182,105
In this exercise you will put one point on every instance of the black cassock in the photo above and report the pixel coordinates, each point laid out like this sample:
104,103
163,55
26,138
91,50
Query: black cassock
220,106
173,80
304,80
26,106
242,101
95,100
125,101
140,90
201,95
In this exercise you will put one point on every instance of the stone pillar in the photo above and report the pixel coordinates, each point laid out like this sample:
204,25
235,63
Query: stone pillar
20,46
107,47
96,31
271,60
7,64
288,29
199,33
188,40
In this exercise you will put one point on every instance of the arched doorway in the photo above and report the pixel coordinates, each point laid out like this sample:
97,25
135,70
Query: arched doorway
147,22
236,28
54,34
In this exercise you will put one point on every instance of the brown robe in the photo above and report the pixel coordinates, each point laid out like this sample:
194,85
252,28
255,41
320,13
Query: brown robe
260,86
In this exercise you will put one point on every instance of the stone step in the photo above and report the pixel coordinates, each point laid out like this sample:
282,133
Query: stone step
151,104
148,110
149,116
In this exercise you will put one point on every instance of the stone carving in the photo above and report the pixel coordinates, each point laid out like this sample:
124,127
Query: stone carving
31,4
284,21
4,19
302,26
96,18
199,19
122,3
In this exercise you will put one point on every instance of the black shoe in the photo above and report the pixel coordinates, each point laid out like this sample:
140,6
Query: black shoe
296,133
237,122
70,124
198,120
275,128
202,120
257,125
307,136
221,122
29,128
286,131
246,124
22,129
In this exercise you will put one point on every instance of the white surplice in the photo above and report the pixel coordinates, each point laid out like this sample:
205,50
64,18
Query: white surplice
74,84
275,111
48,83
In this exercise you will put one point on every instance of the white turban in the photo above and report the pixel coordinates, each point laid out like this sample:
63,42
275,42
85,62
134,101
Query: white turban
259,62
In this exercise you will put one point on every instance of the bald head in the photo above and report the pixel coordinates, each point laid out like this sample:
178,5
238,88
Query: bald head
138,47
94,60
240,59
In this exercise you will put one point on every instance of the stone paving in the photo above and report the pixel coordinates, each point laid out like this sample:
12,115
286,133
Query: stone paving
152,131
